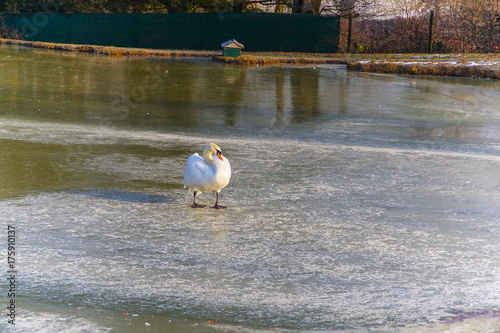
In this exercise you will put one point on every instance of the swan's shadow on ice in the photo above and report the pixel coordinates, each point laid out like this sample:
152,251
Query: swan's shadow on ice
126,196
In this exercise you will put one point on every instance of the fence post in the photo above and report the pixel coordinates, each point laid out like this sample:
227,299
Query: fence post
431,32
349,34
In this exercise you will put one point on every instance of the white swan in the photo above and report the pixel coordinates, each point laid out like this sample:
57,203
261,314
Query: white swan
207,174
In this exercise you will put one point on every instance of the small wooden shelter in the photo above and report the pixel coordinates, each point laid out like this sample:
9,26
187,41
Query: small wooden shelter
231,48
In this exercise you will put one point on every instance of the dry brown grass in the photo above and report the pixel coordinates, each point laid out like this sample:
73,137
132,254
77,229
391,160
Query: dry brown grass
462,68
250,59
107,50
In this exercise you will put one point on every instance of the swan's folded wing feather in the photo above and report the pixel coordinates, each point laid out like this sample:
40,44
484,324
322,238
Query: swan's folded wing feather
195,168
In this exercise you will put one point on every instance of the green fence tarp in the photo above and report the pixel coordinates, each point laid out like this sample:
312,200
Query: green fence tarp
199,31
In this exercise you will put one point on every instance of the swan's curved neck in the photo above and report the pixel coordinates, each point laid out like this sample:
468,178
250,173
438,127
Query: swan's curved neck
208,157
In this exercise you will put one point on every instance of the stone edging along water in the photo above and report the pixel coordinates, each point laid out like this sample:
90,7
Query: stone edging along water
475,66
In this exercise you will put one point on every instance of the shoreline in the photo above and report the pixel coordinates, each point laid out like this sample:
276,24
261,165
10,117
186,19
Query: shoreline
248,58
457,65
106,50
471,69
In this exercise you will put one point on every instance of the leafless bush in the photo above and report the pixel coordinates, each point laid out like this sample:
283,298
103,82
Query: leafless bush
403,27
7,31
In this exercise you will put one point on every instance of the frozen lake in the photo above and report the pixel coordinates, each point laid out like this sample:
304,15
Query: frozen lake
357,202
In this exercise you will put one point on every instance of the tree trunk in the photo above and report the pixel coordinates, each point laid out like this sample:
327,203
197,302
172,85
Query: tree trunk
239,5
297,6
431,32
306,6
349,34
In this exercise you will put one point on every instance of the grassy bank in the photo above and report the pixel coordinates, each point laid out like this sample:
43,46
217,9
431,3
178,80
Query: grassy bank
276,59
109,50
466,65
256,58
479,67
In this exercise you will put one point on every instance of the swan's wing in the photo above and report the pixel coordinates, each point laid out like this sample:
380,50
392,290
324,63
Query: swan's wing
195,168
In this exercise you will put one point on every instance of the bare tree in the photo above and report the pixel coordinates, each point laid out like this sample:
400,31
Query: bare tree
477,23
405,8
348,10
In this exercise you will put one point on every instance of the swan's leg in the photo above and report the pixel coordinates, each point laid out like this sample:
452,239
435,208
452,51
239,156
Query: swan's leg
195,205
217,206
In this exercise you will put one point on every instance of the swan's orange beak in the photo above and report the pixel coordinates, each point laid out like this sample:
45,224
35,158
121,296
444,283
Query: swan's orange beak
219,155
